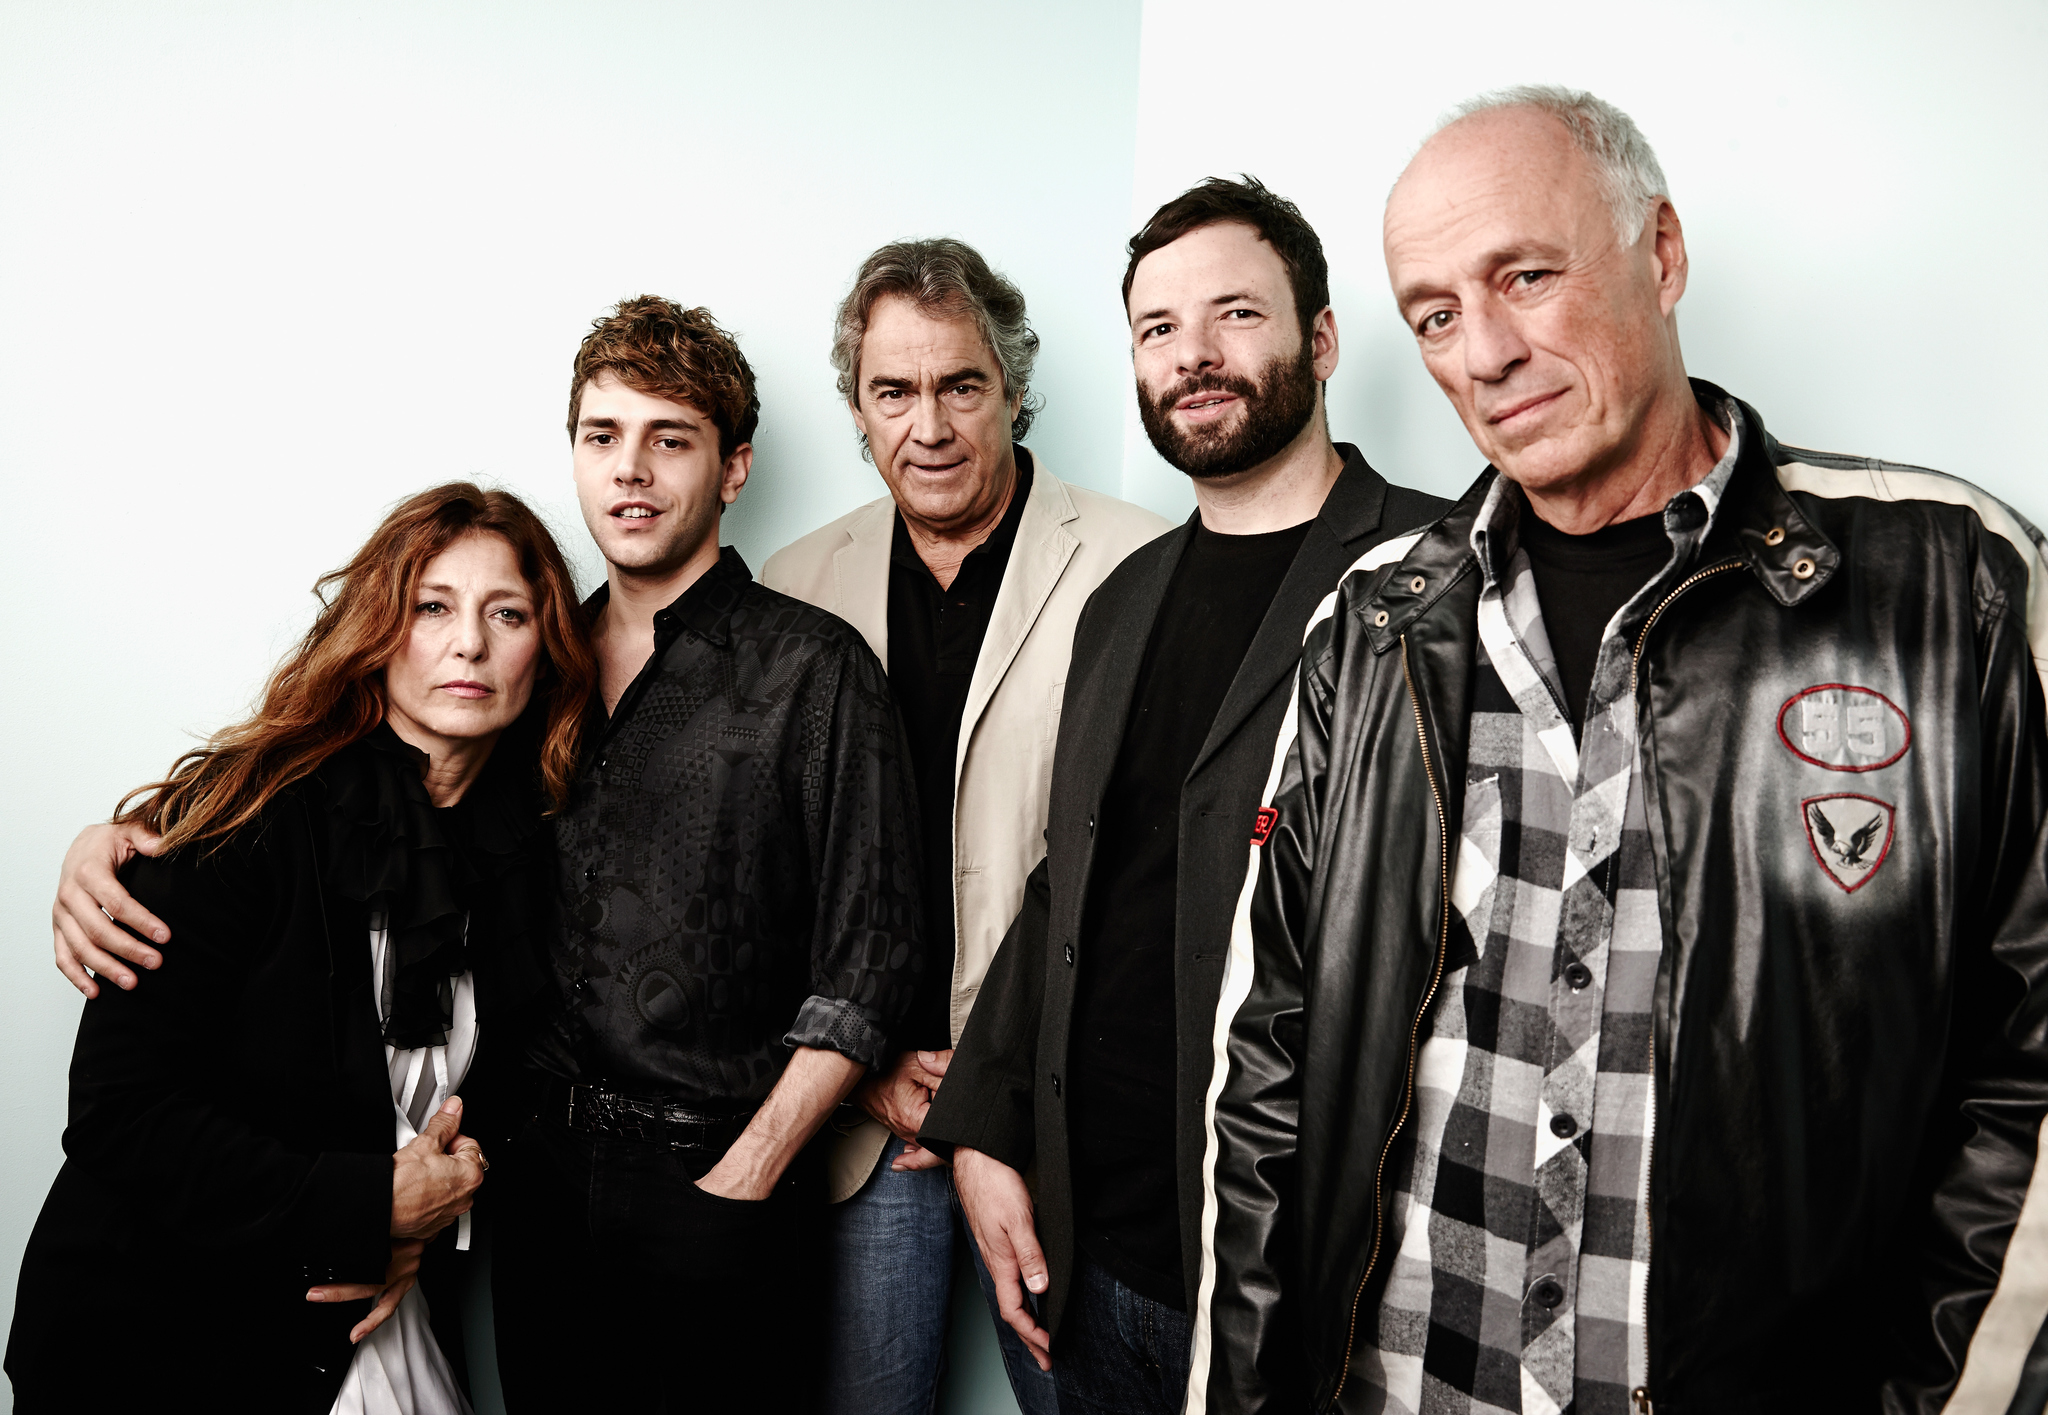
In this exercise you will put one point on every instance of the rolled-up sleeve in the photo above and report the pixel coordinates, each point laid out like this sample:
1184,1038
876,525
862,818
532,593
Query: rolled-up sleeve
867,954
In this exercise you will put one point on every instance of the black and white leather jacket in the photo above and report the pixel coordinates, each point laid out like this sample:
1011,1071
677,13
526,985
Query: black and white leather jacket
1851,1059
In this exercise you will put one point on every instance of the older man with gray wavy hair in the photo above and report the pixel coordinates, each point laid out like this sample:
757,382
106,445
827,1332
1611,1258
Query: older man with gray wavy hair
967,580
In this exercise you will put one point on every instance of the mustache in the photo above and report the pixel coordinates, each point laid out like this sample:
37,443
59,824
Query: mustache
1232,383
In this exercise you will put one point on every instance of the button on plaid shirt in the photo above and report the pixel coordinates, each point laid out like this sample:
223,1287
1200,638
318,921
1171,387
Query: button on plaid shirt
1521,1223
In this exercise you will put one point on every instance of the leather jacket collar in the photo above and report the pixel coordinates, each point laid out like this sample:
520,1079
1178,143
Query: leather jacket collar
1759,524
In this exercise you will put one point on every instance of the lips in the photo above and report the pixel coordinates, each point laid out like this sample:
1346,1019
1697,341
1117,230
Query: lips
466,688
1526,405
634,512
1204,399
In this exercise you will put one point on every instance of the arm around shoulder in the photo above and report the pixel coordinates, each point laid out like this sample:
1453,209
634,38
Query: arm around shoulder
153,1114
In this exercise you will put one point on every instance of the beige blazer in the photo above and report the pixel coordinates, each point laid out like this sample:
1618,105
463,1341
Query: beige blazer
1068,542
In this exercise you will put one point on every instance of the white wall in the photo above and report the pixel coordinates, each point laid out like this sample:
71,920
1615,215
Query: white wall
265,268
1861,186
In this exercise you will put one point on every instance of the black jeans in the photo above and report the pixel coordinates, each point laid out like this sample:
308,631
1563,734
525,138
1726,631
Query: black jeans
1118,1352
620,1285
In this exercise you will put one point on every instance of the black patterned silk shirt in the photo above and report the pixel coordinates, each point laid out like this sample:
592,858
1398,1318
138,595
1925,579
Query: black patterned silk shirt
739,858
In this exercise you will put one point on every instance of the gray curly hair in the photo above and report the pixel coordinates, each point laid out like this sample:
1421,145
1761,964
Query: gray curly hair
1628,172
942,276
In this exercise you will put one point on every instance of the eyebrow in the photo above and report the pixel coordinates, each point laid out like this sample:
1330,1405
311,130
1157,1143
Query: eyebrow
501,592
959,375
1235,297
657,425
1416,290
1493,260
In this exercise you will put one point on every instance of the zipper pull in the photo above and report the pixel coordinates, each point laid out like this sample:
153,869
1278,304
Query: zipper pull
1641,1396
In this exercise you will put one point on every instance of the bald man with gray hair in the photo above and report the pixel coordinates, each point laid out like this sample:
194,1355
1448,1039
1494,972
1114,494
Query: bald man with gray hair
1639,995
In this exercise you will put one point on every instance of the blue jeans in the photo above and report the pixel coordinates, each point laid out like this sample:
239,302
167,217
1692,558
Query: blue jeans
1118,1352
892,1248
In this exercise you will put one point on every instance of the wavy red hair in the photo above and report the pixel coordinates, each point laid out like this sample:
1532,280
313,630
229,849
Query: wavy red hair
329,691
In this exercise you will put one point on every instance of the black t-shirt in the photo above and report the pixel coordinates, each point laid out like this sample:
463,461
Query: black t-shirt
935,637
1581,581
1120,1061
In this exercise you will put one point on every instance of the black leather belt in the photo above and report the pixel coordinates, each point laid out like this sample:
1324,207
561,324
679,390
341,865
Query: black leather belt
653,1119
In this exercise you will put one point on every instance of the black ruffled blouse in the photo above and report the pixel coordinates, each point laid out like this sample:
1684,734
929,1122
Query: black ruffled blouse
428,869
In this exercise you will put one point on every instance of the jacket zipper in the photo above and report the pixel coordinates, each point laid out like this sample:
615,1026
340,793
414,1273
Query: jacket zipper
1636,662
1640,1396
1443,836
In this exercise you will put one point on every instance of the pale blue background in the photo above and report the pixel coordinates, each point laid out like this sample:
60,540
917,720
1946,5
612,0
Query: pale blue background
266,267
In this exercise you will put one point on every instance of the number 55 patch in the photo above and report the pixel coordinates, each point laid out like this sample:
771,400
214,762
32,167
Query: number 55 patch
1842,727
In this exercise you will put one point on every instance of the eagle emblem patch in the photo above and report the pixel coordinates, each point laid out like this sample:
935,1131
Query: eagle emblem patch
1850,835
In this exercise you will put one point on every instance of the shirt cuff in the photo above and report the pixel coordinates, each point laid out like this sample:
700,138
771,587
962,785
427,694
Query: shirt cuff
1009,1142
834,1024
346,1206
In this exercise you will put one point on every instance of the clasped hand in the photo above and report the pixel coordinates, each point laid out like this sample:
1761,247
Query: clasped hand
434,1180
899,1098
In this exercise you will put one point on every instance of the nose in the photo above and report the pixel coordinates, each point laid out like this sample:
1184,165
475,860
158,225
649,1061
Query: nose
1196,352
470,642
631,467
1492,345
930,425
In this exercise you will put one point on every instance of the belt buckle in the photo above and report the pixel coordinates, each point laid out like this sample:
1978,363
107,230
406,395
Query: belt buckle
636,1119
684,1130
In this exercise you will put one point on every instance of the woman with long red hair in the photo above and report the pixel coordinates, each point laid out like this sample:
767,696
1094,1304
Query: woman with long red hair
360,881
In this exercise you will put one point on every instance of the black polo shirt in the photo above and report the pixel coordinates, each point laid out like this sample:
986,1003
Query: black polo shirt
935,638
738,857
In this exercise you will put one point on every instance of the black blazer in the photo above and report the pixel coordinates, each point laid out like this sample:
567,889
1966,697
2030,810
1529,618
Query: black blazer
230,1136
1002,1091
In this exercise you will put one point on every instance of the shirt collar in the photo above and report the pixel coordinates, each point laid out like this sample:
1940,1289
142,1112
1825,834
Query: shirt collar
1688,516
706,607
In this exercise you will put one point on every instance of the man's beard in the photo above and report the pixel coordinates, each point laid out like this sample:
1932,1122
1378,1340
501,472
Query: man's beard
1276,409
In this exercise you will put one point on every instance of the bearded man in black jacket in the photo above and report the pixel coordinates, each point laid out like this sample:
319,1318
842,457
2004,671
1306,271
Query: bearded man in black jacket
1087,1051
1639,995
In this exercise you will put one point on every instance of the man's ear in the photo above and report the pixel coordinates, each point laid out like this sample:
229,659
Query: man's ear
734,475
1323,340
1667,241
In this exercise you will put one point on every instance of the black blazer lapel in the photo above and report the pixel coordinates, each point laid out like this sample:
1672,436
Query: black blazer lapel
1100,686
1341,533
1124,637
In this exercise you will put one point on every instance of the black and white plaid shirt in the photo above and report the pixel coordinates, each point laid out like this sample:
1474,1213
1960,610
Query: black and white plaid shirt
1520,1227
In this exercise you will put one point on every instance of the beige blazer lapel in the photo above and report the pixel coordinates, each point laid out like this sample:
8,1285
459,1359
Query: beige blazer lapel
860,573
1037,560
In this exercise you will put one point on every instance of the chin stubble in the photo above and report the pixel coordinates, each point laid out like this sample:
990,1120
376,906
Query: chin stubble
1277,407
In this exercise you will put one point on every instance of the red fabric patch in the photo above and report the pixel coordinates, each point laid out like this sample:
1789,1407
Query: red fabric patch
1262,826
1841,727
